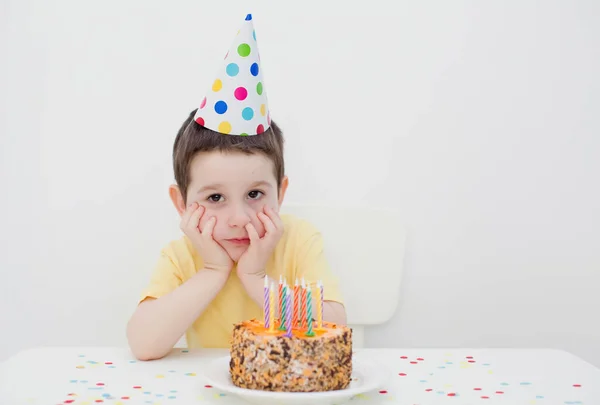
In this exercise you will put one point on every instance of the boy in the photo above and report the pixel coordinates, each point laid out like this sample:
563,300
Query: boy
229,169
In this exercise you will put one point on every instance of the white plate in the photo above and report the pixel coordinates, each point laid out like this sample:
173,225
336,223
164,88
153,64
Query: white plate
366,377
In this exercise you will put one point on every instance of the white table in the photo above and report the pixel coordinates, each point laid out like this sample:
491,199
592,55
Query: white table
79,376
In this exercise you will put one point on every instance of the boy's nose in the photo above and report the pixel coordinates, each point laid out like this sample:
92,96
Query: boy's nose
239,218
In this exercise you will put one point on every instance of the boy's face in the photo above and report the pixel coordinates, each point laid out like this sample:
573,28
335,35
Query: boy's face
234,187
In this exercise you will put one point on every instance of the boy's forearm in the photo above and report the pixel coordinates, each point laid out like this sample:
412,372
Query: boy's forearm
157,325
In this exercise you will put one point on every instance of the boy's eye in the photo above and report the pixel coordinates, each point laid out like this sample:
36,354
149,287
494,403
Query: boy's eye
255,194
215,197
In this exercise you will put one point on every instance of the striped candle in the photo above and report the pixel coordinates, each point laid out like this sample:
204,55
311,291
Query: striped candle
280,297
288,315
284,311
319,305
272,305
303,307
309,332
296,314
266,306
322,299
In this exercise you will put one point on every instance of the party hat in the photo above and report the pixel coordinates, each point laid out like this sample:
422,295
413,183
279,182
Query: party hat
236,103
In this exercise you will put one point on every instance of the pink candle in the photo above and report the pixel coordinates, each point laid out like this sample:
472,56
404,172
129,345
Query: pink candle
266,304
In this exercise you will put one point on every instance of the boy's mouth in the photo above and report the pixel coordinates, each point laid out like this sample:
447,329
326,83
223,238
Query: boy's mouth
239,241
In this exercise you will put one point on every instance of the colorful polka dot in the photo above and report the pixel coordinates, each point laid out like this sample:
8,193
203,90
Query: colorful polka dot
220,107
224,128
260,129
263,109
259,88
240,93
383,392
185,351
243,50
200,121
232,69
217,85
254,34
248,17
247,113
402,374
202,105
254,69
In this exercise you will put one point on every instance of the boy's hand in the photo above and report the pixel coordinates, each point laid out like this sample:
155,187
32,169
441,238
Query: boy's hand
213,255
254,260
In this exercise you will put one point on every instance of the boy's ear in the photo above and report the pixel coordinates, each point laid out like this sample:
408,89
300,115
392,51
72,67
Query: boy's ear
284,185
177,198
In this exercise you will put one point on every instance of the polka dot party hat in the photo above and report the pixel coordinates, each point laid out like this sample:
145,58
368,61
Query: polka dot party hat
236,103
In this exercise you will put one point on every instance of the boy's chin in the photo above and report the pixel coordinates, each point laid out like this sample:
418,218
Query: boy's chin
236,253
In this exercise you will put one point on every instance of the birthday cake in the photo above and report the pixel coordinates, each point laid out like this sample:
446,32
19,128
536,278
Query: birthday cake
291,354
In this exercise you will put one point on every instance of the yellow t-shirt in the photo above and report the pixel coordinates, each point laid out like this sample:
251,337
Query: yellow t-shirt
298,254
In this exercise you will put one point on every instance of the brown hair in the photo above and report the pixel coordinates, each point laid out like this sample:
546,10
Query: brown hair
193,138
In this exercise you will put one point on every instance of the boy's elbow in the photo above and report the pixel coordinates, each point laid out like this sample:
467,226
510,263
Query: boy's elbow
141,347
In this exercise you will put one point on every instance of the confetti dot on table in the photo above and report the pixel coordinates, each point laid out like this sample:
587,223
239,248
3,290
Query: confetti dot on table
108,362
540,397
125,398
99,400
486,364
80,367
137,387
147,392
159,395
471,361
499,392
402,374
414,362
525,383
99,384
172,397
442,367
504,384
449,362
160,376
119,403
423,381
490,372
112,366
383,392
429,390
173,391
132,361
208,386
83,381
69,401
451,394
403,357
476,389
484,397
191,374
441,392
469,357
82,355
172,371
73,381
96,388
448,386
420,359
577,385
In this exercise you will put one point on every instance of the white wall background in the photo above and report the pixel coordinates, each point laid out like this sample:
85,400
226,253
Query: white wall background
477,121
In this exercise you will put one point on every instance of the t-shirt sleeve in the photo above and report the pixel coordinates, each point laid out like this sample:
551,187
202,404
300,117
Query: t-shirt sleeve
314,266
165,278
